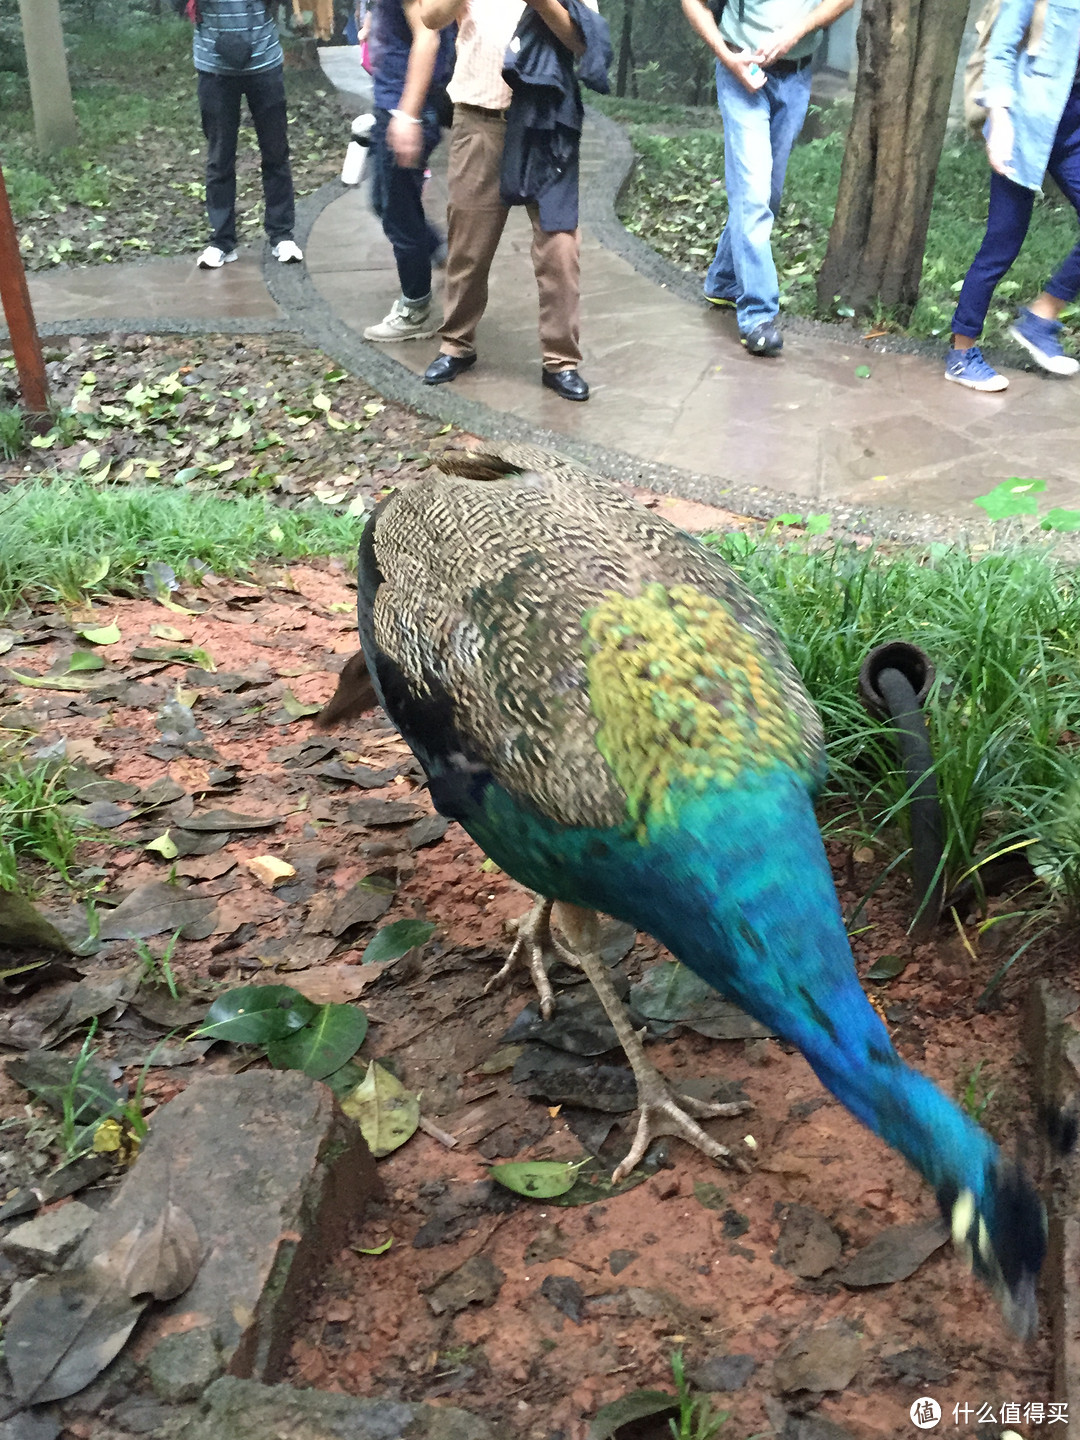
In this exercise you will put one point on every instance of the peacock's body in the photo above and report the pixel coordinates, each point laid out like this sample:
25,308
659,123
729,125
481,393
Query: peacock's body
606,710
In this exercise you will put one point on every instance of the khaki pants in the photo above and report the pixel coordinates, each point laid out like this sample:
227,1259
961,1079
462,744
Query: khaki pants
475,220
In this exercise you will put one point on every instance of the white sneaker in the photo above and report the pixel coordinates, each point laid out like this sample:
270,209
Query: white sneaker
405,322
213,258
287,252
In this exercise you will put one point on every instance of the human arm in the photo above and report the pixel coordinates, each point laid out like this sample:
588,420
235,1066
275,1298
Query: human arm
437,14
778,45
1002,50
701,21
405,133
557,19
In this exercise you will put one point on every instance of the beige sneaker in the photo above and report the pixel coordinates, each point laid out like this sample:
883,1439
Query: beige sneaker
405,322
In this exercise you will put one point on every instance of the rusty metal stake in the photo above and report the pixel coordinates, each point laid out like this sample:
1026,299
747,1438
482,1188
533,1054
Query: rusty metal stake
29,361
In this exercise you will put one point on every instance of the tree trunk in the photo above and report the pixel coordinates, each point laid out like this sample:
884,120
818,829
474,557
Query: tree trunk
626,49
908,51
50,89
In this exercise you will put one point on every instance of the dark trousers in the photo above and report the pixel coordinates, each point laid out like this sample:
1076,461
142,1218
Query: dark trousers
397,199
1007,225
219,102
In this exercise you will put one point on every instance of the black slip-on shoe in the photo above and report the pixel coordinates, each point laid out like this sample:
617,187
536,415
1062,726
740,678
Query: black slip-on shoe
567,383
447,367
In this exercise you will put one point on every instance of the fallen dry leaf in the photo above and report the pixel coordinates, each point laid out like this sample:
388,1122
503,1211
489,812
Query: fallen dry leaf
269,870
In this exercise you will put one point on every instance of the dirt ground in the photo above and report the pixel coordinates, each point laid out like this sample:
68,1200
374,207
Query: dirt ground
559,1309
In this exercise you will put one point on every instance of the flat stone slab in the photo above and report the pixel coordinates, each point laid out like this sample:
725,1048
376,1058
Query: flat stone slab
46,1241
272,1174
243,1410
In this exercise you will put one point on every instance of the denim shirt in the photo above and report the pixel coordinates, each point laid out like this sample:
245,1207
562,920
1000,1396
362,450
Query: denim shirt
1032,81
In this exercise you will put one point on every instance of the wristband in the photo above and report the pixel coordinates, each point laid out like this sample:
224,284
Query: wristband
404,115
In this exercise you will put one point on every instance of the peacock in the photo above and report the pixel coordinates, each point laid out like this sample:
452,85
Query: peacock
605,708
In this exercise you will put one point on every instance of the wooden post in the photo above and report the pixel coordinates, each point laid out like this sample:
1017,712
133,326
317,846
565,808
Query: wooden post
29,361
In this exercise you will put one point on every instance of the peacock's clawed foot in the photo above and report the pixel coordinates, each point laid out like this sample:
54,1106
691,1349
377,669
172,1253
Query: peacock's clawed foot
535,943
663,1111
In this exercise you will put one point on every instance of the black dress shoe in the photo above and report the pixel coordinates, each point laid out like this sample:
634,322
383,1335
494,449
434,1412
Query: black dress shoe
567,383
447,367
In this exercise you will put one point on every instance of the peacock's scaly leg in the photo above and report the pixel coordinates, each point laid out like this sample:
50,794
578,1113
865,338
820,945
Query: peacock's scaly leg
535,943
661,1110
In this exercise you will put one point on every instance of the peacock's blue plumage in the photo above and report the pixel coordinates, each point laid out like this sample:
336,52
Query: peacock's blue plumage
605,709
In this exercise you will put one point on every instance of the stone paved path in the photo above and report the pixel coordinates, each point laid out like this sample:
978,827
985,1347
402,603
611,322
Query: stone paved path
676,402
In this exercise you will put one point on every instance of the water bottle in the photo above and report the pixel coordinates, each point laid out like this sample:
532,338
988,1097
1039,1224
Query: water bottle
357,151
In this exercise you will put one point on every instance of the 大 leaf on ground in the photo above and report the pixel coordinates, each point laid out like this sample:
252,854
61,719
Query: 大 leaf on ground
169,632
256,1014
887,967
84,660
395,940
160,1259
101,635
59,682
64,1330
228,820
638,1405
1012,497
539,1179
176,654
386,1112
164,845
332,1036
154,908
49,1078
375,1249
297,708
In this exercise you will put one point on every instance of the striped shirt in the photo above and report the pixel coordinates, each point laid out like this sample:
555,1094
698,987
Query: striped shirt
485,29
245,20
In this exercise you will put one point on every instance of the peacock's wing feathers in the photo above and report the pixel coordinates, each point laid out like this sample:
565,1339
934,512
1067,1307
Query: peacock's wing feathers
589,653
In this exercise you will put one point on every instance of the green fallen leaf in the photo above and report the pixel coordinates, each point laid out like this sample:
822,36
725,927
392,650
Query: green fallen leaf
84,660
169,632
395,940
102,635
386,1112
862,372
296,708
1061,520
887,967
538,1179
331,1037
256,1014
375,1249
1012,497
56,682
90,459
164,845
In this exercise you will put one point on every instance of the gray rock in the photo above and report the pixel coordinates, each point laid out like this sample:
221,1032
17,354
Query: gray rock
47,1241
244,1410
182,1366
723,1372
30,1425
272,1175
813,1427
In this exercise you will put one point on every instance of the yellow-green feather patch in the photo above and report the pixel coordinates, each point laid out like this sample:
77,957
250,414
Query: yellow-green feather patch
684,697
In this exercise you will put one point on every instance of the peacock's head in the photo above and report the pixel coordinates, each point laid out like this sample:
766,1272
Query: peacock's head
1001,1233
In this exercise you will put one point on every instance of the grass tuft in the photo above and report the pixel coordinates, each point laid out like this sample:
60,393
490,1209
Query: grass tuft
68,539
33,821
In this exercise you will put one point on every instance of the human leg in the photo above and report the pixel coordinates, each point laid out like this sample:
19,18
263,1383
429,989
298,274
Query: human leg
266,100
219,107
556,258
397,196
1006,225
475,220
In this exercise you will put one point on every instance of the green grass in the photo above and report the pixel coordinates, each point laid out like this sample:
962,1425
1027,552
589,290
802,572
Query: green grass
13,435
1003,631
67,539
677,202
33,821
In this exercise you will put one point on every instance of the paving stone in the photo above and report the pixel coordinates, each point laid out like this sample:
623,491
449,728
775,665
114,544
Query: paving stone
46,1241
272,1175
243,1410
182,1366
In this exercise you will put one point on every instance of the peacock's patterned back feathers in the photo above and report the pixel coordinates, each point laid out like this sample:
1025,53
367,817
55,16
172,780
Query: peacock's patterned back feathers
595,657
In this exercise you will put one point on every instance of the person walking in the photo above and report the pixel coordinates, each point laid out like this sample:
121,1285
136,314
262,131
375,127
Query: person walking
476,211
764,50
237,53
1031,93
410,67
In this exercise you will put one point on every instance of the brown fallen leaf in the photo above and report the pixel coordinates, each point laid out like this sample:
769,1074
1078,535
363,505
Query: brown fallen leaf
160,1259
269,870
336,984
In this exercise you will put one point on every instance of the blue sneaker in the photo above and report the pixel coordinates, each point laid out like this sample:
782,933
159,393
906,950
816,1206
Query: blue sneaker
968,368
1040,338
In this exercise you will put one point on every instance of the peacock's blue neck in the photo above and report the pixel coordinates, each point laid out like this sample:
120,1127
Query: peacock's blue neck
740,890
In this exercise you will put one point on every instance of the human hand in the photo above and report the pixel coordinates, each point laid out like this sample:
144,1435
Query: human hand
745,69
777,46
999,142
405,137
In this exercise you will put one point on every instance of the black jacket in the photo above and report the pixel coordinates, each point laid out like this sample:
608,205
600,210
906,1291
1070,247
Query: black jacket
543,124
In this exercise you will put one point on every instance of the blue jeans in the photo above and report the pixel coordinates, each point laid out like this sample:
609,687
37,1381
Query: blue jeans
397,199
1007,225
759,131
